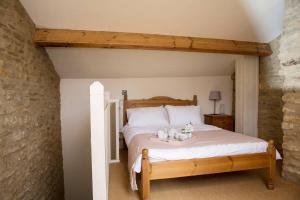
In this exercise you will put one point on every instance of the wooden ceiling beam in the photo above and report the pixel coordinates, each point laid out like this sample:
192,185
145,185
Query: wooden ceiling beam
120,40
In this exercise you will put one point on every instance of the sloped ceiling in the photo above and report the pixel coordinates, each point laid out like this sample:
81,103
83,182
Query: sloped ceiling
117,63
250,20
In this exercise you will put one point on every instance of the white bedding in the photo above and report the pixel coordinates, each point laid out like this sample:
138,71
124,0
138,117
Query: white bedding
210,146
130,132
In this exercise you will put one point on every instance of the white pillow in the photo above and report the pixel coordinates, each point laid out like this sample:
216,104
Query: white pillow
181,115
147,116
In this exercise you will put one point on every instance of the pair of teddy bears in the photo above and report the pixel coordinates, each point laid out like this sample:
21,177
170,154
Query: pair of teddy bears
174,134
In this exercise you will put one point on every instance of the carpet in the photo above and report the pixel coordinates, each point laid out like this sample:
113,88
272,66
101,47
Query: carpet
246,185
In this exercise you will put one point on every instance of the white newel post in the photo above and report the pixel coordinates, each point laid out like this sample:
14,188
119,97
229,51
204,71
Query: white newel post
98,142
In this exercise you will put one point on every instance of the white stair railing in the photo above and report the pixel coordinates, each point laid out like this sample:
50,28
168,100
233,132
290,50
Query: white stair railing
99,142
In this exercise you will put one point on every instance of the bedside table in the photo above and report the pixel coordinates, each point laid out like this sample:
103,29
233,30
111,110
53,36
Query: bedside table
221,121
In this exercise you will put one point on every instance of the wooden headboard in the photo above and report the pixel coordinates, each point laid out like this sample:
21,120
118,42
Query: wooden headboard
154,101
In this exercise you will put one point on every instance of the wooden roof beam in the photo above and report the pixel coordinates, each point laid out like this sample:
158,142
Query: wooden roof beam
120,40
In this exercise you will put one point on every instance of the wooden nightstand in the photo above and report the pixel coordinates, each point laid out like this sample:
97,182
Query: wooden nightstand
221,121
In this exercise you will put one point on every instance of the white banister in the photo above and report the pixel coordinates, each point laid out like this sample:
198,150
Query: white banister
98,142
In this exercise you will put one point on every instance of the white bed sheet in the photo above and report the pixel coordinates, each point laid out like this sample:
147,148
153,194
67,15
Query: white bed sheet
205,151
130,132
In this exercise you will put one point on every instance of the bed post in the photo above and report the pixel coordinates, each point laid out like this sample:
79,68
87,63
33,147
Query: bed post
271,170
145,182
125,98
195,101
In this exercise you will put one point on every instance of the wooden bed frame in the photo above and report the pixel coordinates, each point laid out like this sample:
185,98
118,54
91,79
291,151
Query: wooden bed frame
194,167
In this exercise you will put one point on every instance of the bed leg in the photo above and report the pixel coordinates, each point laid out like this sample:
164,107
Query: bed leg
145,182
271,170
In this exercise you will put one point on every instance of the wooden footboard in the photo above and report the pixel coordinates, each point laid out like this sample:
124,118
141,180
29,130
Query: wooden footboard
194,167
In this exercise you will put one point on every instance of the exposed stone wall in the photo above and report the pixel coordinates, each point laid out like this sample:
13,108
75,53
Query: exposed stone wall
290,68
270,97
30,138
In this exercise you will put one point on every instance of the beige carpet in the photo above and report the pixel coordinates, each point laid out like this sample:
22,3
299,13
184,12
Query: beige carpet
231,186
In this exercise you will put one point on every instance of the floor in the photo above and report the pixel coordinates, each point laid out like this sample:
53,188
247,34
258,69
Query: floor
238,185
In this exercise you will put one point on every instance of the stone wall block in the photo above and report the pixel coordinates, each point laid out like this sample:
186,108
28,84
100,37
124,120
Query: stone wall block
270,97
30,136
289,55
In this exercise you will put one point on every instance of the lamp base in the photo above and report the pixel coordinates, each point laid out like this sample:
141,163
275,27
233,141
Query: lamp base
214,107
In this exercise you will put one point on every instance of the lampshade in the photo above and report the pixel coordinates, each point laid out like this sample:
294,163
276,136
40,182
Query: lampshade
215,95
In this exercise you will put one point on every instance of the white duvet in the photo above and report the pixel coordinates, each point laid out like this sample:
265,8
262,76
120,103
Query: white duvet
212,149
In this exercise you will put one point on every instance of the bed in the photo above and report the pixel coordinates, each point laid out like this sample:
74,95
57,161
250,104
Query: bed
208,152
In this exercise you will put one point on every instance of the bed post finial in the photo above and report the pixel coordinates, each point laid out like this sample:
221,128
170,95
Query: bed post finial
145,154
272,165
124,93
271,143
195,101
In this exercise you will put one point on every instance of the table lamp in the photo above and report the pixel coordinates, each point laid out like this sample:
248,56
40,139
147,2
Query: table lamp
215,96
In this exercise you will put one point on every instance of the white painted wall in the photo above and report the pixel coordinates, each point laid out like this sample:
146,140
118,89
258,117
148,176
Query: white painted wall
71,63
254,20
75,116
